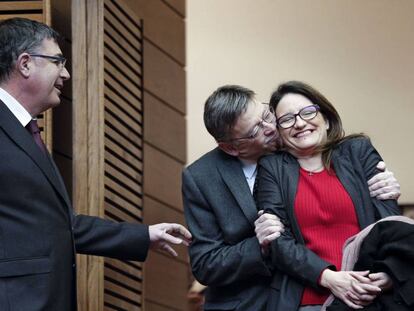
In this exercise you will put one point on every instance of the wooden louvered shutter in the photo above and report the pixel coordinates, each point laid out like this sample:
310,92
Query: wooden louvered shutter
123,146
38,11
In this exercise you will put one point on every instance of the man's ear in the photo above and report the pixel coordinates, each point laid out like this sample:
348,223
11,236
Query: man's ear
23,65
229,148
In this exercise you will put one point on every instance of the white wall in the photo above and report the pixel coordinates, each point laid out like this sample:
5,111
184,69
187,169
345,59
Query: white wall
360,54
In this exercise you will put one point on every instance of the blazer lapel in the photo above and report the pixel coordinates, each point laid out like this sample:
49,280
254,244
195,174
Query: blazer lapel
291,179
232,173
25,141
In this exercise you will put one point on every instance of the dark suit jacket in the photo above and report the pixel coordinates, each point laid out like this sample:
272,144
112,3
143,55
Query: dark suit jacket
354,162
39,233
225,254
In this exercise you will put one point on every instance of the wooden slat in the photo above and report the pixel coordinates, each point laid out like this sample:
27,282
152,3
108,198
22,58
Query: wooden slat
36,17
120,304
132,185
119,11
130,129
21,5
124,82
132,160
133,110
130,97
161,276
160,70
132,296
123,43
118,215
123,61
132,148
123,166
127,281
126,194
134,208
171,136
163,176
132,38
128,267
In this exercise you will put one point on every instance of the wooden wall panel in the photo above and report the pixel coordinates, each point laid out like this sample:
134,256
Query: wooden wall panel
177,5
163,178
164,78
164,128
163,26
167,285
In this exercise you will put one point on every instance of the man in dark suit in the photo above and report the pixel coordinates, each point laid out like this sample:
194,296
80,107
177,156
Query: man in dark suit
39,232
219,207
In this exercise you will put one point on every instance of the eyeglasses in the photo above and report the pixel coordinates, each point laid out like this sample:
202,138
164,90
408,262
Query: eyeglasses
268,116
58,60
307,113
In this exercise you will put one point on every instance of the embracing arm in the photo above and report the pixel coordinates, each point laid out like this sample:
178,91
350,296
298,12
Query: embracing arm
369,158
213,261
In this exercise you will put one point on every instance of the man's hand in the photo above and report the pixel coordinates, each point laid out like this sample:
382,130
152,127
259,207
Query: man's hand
384,185
162,235
268,228
381,279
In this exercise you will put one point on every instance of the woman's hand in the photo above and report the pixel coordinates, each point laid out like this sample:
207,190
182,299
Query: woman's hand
343,285
365,289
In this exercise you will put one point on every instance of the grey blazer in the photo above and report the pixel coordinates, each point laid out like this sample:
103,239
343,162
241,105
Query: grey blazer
354,162
225,254
39,232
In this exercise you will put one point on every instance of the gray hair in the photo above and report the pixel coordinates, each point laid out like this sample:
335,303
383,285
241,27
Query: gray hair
19,35
223,108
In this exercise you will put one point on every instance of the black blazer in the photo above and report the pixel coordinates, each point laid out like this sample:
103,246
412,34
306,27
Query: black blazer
225,253
354,162
39,233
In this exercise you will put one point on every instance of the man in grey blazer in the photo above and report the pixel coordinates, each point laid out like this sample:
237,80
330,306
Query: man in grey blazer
39,232
219,207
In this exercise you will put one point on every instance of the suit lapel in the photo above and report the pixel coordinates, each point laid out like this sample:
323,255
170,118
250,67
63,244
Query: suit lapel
232,173
291,180
24,140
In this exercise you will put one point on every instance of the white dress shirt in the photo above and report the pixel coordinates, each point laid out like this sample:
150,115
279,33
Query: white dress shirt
15,107
250,172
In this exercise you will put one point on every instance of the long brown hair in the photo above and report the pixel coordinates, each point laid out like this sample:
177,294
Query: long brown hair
335,133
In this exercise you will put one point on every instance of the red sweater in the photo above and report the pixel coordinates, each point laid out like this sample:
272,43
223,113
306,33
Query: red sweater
326,217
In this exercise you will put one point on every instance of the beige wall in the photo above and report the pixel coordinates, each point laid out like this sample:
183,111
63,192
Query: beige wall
360,54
